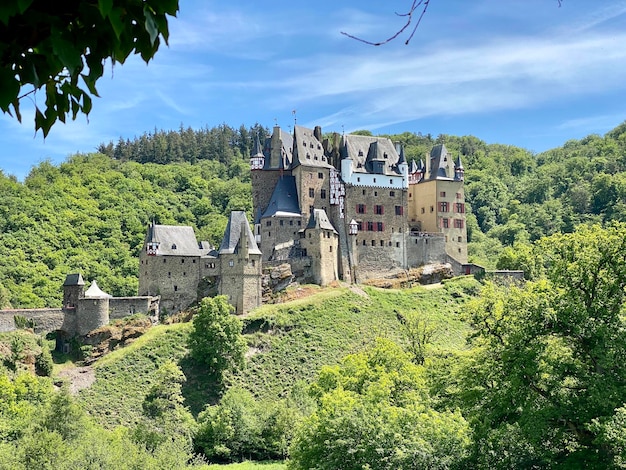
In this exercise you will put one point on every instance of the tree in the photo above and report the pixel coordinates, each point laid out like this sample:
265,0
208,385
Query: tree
61,48
548,375
375,412
216,340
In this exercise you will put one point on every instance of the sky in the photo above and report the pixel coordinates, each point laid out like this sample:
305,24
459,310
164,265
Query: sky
518,72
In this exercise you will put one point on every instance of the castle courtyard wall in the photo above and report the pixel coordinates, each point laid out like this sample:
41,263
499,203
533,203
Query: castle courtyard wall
46,319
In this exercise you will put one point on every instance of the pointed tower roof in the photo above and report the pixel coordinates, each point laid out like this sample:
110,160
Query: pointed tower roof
237,230
256,147
319,219
401,158
413,167
458,164
439,162
94,292
74,280
284,201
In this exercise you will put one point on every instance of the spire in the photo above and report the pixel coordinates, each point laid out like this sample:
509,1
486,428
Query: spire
401,160
459,171
257,159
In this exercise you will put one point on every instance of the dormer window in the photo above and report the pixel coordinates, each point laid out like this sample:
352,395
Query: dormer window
311,144
360,153
385,155
173,246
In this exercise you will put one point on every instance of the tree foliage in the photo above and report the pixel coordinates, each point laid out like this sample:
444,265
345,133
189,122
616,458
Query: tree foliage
548,373
216,340
375,412
61,49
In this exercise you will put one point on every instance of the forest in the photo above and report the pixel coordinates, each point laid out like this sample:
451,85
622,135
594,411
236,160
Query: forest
468,375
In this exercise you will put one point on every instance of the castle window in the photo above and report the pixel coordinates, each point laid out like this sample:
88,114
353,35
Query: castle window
378,210
311,208
299,223
459,196
173,246
432,208
141,261
460,239
311,145
363,242
442,194
380,226
375,192
370,226
358,179
282,223
423,210
169,274
444,207
445,223
360,153
268,223
397,244
291,222
392,193
309,234
360,208
231,263
374,180
323,193
363,192
253,263
308,156
193,261
182,260
304,252
458,223
359,226
399,210
385,155
373,242
390,181
164,260
184,273
331,248
269,234
382,243
320,175
175,288
459,207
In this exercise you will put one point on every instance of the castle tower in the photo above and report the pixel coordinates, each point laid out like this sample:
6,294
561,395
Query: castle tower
321,242
93,310
240,261
73,290
257,160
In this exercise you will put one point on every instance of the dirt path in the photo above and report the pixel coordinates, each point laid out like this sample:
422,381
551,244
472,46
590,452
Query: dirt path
78,377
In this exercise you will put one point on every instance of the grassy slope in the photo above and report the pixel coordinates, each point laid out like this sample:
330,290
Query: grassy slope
289,342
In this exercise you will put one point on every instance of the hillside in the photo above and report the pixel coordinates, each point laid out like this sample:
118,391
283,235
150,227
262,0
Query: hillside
287,342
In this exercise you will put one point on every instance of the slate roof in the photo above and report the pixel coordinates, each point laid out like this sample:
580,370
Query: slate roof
364,150
439,162
319,219
307,150
236,222
286,151
284,200
74,280
94,292
174,240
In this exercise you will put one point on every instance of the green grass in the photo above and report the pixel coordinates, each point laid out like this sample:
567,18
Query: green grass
288,343
248,466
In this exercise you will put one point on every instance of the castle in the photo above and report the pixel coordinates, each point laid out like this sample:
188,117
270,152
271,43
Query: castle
343,208
346,208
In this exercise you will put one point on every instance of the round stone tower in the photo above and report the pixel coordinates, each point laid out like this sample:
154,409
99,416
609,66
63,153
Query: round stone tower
93,310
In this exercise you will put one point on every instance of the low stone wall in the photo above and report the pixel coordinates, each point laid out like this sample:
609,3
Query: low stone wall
46,319
120,307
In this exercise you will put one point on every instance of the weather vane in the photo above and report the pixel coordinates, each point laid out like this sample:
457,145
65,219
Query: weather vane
295,118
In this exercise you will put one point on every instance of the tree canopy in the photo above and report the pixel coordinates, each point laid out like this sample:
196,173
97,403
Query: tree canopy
61,48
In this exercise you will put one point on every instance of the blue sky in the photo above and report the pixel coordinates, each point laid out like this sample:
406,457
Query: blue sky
520,72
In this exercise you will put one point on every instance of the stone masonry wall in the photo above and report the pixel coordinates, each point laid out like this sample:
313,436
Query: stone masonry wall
46,319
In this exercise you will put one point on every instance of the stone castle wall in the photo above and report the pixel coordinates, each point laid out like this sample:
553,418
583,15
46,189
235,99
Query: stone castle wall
46,319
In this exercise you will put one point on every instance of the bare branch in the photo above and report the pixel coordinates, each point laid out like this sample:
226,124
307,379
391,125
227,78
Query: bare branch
409,15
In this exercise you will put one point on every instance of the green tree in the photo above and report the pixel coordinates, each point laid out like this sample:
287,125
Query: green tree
54,48
548,373
375,412
216,340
